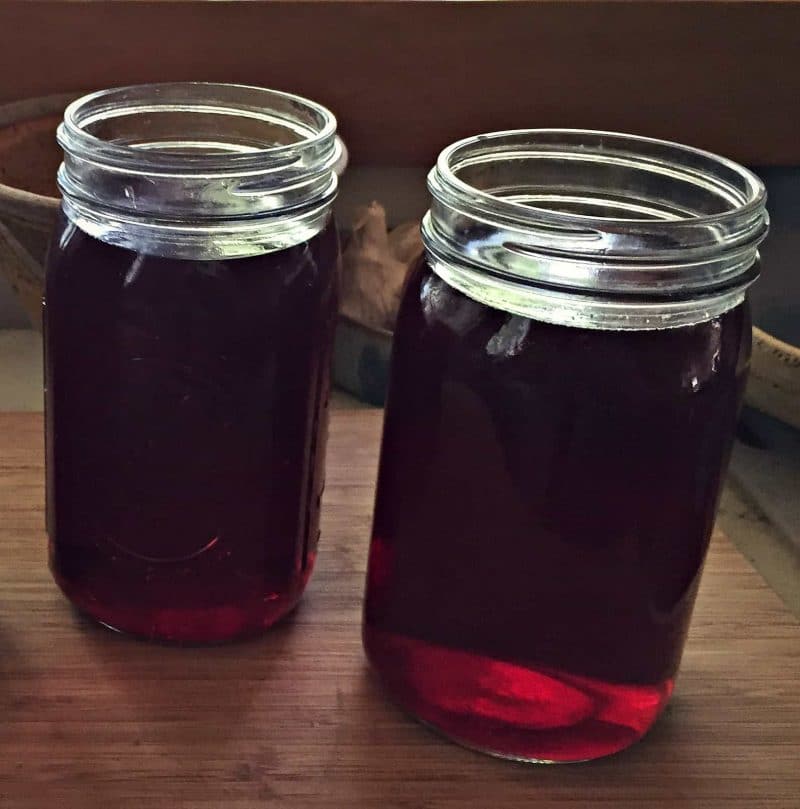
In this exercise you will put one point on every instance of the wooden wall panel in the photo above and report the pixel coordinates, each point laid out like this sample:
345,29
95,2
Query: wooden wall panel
407,78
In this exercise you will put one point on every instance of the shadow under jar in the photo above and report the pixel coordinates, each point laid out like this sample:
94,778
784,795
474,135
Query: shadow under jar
189,313
568,366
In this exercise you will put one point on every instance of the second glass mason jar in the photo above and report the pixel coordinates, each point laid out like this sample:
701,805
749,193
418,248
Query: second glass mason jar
568,366
189,313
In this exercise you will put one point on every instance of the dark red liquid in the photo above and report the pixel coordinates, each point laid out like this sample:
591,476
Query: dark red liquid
186,426
545,500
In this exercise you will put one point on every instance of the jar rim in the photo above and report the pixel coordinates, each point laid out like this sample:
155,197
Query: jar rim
128,99
756,190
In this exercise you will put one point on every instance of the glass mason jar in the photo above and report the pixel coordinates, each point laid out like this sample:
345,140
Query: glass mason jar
568,367
189,312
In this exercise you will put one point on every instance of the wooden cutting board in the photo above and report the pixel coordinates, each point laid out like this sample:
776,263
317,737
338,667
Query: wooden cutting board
94,720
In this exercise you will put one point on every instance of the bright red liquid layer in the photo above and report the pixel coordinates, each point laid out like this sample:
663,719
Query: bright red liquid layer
186,426
535,714
545,500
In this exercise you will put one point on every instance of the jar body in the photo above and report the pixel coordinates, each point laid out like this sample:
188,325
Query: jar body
545,500
186,413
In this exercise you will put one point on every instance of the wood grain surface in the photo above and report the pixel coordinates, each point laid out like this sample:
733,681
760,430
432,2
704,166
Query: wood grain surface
94,720
406,79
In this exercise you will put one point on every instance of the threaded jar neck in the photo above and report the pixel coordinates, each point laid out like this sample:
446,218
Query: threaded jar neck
594,229
198,170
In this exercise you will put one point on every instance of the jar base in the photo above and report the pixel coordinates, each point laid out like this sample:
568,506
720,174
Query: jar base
196,626
526,714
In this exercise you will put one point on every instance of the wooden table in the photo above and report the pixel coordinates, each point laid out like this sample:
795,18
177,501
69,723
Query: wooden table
93,720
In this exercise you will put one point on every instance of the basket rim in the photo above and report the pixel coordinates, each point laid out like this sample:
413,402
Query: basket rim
29,109
776,345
